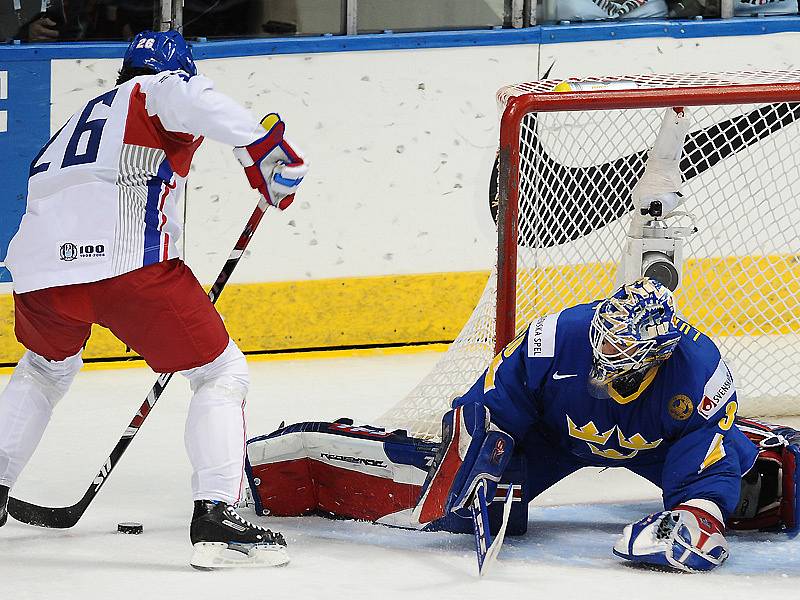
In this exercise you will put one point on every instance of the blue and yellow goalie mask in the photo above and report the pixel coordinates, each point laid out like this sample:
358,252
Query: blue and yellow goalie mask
632,330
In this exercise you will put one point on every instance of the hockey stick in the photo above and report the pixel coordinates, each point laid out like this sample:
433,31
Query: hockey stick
480,521
486,548
494,548
65,517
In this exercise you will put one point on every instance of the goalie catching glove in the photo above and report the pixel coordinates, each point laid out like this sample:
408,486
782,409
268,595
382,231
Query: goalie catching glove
688,538
473,449
273,166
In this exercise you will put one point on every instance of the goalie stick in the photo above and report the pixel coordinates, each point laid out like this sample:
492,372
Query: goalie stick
67,516
486,548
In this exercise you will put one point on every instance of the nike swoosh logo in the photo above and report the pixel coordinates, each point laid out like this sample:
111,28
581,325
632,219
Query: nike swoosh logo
562,187
557,376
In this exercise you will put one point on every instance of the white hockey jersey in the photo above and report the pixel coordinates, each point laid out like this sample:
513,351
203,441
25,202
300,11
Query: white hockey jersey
103,192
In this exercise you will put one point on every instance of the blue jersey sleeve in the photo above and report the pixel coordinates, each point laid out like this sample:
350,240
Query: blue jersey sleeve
710,455
514,378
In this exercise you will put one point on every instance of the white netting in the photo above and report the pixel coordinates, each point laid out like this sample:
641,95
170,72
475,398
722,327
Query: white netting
741,274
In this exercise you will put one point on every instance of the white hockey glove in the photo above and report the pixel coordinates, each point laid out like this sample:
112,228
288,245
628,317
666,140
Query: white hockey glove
273,166
688,538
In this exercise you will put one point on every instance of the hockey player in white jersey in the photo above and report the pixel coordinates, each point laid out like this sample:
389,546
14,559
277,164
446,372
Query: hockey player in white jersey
98,244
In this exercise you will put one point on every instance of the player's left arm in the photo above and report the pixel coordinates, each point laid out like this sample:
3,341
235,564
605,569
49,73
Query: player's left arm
701,480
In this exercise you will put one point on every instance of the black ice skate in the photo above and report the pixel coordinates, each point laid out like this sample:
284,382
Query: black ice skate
3,505
221,539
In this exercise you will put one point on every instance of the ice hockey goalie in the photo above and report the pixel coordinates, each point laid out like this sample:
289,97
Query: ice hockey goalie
341,470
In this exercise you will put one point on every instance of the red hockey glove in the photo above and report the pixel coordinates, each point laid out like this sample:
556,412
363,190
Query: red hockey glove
273,166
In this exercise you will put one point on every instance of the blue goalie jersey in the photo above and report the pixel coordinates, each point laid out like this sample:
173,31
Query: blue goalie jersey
677,429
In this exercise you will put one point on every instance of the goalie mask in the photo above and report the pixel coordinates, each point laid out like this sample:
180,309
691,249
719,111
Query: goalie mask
632,330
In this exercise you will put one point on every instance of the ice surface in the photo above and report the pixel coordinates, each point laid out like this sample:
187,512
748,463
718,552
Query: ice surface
566,553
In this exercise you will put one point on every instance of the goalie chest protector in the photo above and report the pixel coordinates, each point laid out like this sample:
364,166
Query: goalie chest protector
343,470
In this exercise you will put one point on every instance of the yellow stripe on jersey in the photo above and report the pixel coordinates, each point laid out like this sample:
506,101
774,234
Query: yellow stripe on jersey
620,399
488,381
716,452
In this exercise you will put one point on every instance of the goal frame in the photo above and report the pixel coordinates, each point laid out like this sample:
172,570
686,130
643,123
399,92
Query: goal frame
518,106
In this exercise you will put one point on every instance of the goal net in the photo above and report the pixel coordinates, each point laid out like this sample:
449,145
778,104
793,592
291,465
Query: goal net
568,163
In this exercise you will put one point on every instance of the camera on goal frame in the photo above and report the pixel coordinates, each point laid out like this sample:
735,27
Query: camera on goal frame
654,248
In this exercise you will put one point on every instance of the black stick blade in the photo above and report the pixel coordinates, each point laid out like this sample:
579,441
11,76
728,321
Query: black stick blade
42,516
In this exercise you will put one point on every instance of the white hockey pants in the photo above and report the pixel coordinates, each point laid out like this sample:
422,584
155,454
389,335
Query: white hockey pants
26,406
215,427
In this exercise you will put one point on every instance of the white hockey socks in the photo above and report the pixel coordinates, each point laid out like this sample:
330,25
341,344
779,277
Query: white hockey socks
215,427
26,406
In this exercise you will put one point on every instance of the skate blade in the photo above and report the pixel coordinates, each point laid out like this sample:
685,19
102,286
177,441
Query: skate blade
209,556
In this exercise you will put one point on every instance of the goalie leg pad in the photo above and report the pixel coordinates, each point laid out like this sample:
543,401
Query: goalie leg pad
472,450
360,472
338,469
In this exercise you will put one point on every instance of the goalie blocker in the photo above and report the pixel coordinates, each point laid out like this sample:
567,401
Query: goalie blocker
342,470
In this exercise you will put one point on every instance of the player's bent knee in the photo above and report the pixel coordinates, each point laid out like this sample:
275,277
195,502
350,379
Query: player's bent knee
226,376
51,377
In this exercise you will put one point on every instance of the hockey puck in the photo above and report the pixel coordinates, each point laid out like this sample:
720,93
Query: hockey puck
131,528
